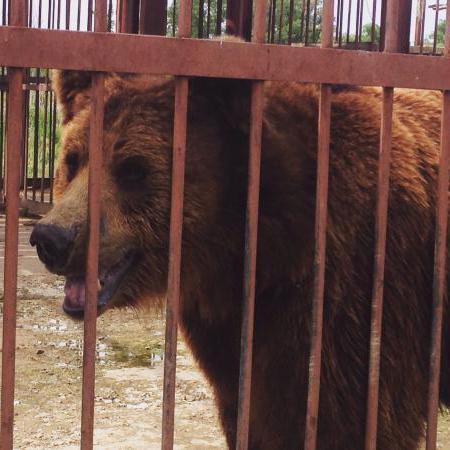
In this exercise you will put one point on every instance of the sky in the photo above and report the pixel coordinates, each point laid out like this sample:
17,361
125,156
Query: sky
367,14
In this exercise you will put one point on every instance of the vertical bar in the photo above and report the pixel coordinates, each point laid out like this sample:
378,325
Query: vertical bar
440,249
36,139
239,18
176,229
281,23
89,16
374,18
18,17
272,21
291,21
308,14
153,17
315,20
251,241
58,16
436,22
94,214
128,16
44,145
341,23
312,410
79,15
174,17
338,14
26,113
302,19
219,18
361,12
422,30
201,10
208,19
391,43
68,14
404,25
52,160
419,22
2,135
358,3
349,17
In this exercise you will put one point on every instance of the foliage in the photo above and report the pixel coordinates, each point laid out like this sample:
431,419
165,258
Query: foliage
440,36
44,130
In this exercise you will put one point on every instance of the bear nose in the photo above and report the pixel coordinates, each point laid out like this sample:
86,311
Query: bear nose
53,244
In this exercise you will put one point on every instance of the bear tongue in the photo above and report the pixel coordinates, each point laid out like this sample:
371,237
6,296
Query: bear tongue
75,295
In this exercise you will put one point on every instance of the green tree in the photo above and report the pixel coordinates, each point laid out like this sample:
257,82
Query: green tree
440,36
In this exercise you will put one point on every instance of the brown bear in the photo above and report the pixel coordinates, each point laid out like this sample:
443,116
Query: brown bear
136,184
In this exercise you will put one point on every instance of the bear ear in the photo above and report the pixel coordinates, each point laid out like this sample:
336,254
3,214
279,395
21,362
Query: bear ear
72,91
230,97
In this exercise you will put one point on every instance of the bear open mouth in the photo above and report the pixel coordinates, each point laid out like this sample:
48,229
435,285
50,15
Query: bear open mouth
108,283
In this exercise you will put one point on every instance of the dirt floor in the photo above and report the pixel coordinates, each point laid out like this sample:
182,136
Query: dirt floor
129,375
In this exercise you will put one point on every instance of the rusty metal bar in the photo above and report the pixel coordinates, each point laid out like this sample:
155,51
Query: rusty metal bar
349,16
36,141
391,45
18,17
68,2
315,21
308,14
436,22
251,242
440,250
312,409
175,244
280,21
374,19
153,17
273,20
338,19
191,57
53,147
201,10
44,146
422,30
128,16
291,21
341,23
208,18
219,18
361,13
94,214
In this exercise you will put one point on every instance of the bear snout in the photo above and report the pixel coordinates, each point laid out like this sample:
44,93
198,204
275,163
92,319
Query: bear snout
53,244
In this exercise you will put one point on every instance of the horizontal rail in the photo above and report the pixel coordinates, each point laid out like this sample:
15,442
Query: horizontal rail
22,47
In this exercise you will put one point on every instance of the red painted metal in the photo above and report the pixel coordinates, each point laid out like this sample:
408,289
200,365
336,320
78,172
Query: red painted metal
312,411
128,16
440,252
213,58
251,239
18,16
391,45
153,17
176,229
92,261
90,314
239,18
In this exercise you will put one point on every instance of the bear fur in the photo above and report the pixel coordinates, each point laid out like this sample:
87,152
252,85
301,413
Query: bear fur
138,128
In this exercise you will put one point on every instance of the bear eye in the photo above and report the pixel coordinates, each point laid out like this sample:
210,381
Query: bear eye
72,163
131,173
